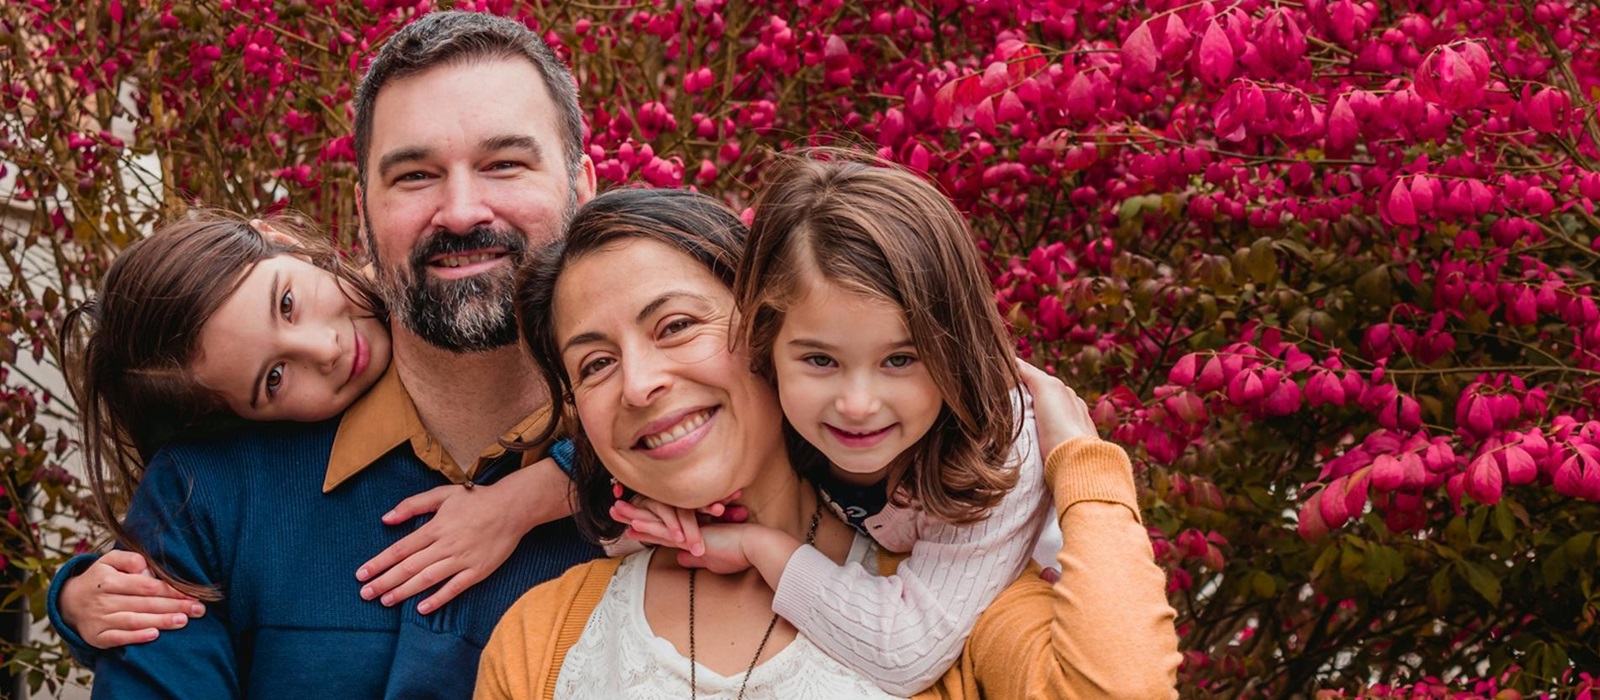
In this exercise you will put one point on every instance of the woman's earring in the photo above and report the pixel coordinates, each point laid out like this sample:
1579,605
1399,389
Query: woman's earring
616,488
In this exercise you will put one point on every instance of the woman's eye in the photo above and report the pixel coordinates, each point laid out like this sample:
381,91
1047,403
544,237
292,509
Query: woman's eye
819,361
899,361
274,380
589,368
676,326
286,305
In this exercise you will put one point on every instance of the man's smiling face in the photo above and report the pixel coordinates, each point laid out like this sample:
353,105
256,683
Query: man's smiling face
465,175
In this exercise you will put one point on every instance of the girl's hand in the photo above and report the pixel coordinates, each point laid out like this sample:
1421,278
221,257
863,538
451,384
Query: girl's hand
723,551
116,602
472,533
1060,414
652,522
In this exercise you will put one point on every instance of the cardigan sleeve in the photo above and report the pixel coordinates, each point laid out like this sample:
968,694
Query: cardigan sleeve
1105,629
524,655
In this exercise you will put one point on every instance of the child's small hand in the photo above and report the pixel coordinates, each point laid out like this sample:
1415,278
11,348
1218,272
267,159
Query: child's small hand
1060,414
723,551
652,522
116,602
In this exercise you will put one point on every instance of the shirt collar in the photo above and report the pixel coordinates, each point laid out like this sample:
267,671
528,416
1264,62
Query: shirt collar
386,418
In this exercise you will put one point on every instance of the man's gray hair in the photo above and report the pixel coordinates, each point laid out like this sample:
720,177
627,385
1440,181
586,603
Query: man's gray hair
452,38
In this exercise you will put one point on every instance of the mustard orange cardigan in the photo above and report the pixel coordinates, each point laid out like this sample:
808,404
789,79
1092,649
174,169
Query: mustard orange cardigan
1104,630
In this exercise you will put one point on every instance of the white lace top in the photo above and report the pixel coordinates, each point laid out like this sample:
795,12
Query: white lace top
619,656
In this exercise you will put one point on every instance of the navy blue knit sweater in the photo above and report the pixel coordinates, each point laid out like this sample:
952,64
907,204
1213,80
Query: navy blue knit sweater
247,515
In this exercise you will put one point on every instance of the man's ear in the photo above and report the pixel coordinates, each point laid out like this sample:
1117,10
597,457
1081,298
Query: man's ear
587,181
272,235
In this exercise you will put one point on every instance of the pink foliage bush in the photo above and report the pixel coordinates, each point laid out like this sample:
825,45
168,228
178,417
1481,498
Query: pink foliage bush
1326,268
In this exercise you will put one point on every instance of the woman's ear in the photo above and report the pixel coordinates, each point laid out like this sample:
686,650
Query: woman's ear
272,235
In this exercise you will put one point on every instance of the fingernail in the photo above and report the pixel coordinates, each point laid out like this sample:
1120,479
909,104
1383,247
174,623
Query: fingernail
180,620
424,608
389,515
388,599
361,574
366,593
197,610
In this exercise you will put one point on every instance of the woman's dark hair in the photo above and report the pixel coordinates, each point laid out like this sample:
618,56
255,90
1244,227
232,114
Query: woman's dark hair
873,228
131,347
696,224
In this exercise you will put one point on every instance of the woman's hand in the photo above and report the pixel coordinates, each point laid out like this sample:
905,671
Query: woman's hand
117,601
1060,414
471,534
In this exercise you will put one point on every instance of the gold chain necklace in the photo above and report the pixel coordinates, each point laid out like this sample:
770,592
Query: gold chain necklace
811,538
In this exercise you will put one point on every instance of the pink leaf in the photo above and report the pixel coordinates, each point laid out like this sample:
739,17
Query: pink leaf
1397,206
1214,56
1139,54
1342,127
1520,467
1484,480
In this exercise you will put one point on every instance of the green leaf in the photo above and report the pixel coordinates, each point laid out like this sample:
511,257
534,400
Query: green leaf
1482,580
1504,521
1554,568
1262,262
1440,591
1577,546
1475,524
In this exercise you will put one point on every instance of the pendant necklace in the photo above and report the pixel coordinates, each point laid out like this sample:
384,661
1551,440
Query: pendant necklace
811,538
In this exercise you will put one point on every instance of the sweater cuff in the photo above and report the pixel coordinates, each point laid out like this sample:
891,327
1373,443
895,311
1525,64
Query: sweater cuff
800,588
1091,469
85,654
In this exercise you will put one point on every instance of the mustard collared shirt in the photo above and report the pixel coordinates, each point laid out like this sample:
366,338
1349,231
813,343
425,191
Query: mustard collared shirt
386,417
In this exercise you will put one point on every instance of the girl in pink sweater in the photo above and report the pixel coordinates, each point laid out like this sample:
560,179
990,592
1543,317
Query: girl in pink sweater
862,296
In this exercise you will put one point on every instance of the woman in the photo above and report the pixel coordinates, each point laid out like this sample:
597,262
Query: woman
674,413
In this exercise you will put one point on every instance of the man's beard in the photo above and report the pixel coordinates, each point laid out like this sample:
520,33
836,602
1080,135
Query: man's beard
467,315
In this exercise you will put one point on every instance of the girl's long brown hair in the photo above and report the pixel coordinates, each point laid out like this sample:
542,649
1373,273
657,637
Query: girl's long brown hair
131,347
873,228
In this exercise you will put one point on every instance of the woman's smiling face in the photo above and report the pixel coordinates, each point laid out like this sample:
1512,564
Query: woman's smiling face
671,410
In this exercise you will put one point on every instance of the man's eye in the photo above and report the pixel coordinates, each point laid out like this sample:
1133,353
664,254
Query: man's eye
590,368
274,380
819,361
286,305
413,176
899,361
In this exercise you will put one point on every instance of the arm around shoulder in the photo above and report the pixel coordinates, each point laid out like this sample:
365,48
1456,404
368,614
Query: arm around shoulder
1105,628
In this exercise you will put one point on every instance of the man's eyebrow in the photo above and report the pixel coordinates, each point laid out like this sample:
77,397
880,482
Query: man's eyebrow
266,365
519,142
409,154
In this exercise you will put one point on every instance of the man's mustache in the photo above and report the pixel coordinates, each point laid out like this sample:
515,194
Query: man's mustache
478,238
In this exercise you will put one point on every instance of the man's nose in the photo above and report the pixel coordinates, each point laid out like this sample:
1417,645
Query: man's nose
464,206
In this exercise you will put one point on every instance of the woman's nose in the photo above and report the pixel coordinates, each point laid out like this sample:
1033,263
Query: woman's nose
644,376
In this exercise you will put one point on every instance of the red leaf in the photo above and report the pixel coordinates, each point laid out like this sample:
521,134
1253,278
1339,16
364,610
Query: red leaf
1214,56
1139,54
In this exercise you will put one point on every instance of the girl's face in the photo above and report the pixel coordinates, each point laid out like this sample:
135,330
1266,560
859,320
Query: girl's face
291,344
671,411
850,380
